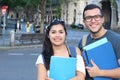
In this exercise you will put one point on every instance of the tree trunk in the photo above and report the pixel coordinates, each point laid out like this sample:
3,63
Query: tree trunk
43,6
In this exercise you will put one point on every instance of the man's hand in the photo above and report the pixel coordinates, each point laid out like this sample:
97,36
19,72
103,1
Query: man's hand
94,70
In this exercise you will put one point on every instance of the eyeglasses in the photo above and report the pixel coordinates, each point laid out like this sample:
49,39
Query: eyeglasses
96,18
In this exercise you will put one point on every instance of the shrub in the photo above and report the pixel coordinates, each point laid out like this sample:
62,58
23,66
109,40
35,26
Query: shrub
73,26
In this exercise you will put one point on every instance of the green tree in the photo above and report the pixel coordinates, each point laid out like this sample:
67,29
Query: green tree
28,5
49,3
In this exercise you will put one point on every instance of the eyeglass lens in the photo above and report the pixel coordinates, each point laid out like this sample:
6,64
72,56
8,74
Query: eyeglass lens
96,17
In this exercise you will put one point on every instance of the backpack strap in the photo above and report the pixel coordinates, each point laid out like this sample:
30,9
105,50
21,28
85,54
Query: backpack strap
72,51
84,39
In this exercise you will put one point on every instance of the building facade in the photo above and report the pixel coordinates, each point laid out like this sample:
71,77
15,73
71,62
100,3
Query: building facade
72,12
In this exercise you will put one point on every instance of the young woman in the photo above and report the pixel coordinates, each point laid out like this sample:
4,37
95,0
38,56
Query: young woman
54,45
28,26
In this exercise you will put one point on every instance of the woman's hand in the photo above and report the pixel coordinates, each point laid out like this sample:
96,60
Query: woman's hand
79,76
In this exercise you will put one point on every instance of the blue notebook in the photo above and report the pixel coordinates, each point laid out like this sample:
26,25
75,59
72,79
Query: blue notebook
103,55
62,68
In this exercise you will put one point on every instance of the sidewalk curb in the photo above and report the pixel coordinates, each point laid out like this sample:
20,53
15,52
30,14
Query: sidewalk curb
23,46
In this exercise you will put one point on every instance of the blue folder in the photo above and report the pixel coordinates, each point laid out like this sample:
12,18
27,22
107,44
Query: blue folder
103,55
62,68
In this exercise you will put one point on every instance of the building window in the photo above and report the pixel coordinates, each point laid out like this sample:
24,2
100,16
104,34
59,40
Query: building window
75,4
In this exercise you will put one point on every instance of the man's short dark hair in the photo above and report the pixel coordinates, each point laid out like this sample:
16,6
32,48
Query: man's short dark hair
92,6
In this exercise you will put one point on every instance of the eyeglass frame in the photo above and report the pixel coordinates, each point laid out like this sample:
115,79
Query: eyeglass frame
95,17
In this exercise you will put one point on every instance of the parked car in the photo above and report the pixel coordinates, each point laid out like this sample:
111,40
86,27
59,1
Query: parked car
79,26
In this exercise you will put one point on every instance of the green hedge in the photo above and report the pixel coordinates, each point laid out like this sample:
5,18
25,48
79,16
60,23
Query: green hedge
73,26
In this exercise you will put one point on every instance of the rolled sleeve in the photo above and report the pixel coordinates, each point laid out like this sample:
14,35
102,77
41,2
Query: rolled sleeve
80,64
39,60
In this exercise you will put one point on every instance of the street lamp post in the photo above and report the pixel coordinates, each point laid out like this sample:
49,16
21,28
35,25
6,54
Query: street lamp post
79,14
4,10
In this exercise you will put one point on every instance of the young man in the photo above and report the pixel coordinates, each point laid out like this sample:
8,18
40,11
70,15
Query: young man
94,19
17,26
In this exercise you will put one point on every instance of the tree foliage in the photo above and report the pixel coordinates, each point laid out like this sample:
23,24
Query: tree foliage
22,3
29,5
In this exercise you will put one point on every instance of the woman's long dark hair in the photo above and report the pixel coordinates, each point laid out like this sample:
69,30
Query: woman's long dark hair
47,46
